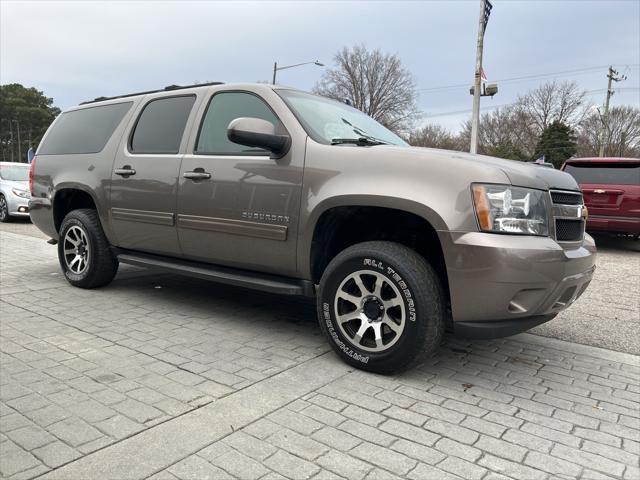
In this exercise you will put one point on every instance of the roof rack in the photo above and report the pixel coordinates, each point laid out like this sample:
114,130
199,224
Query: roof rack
165,89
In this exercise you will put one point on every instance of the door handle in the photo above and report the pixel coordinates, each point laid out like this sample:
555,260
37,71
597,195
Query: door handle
197,174
125,171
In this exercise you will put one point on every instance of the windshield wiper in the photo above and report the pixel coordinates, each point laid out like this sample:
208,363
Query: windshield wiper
362,133
364,141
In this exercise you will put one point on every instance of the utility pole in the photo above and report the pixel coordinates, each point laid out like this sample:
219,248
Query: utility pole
11,135
275,69
613,76
485,11
19,143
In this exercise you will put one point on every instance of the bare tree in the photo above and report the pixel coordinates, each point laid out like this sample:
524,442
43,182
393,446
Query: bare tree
622,137
435,136
375,83
514,131
503,132
554,102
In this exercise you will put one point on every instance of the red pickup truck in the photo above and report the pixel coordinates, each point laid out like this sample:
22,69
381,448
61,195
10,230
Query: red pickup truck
611,190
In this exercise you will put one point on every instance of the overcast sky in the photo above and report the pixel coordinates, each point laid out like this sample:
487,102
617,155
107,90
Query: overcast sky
79,50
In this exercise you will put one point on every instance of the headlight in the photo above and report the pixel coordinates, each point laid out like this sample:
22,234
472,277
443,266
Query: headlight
21,193
507,209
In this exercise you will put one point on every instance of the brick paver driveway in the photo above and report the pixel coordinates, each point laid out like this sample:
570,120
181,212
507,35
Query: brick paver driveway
162,377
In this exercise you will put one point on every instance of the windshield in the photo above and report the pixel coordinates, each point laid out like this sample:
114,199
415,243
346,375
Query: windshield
327,120
14,173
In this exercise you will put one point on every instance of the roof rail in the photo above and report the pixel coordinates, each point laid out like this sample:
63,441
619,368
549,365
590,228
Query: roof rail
165,89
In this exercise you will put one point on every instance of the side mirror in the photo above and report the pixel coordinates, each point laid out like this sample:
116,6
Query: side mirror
254,132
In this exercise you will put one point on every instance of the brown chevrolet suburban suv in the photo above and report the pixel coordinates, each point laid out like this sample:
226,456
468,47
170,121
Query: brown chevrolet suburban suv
275,189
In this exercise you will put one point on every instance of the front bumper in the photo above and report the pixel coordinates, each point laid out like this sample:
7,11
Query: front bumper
505,284
17,206
499,328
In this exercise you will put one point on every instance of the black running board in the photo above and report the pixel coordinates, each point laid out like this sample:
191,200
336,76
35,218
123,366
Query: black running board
230,276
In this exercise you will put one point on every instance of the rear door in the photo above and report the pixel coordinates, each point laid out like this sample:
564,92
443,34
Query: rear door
144,181
610,189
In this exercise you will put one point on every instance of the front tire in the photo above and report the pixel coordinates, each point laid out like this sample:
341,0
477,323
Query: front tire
84,251
382,307
4,210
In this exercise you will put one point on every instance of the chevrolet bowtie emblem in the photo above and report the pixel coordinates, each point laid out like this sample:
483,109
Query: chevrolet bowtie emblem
599,190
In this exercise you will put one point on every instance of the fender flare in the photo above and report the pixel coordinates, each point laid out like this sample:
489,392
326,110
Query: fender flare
102,212
308,230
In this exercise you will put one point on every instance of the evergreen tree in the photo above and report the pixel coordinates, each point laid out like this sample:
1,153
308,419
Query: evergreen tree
557,143
25,114
507,150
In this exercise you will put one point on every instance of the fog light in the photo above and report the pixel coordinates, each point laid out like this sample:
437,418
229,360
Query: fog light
22,209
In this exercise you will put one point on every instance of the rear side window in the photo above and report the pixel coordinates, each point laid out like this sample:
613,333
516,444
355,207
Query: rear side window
605,173
223,108
160,126
83,131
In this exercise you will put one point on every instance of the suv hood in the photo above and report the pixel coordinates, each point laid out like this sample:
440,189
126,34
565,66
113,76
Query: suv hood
525,174
520,174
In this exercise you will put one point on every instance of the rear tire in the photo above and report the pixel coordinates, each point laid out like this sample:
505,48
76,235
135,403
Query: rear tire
382,307
84,251
4,210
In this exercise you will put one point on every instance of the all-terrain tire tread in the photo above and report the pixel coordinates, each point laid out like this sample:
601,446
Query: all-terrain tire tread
418,272
106,264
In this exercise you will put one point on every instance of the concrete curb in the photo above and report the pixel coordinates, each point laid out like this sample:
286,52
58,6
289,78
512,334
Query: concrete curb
579,349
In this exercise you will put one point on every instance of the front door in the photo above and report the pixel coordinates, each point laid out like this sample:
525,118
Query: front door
144,182
236,205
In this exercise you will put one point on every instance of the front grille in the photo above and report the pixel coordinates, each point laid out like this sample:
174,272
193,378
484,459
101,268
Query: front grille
569,230
567,211
567,198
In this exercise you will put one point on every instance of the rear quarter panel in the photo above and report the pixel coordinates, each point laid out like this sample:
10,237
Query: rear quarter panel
90,173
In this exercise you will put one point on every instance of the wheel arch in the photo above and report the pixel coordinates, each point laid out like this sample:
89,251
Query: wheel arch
71,197
340,223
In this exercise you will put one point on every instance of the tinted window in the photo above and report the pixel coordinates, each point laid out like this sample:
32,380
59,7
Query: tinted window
14,173
161,125
223,108
607,174
83,131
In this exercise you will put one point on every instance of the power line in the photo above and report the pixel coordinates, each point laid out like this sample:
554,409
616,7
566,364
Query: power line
527,77
490,107
617,89
455,112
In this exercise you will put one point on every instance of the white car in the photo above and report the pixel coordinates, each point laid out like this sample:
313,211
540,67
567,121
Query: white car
14,190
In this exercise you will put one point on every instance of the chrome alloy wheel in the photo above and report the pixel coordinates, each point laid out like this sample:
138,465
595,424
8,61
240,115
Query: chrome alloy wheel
76,250
370,311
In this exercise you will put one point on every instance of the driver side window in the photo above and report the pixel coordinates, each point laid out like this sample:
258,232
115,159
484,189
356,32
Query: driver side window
223,108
